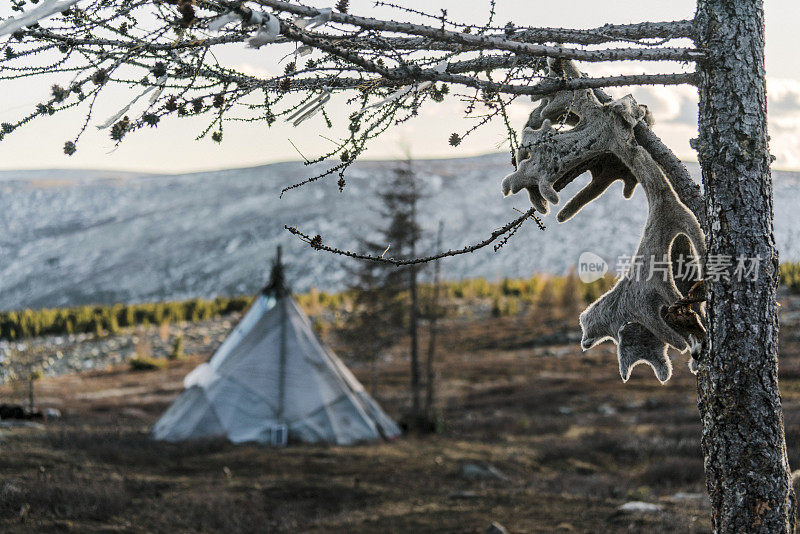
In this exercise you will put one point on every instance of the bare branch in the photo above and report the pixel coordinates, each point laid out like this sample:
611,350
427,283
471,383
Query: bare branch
633,33
552,85
71,40
511,227
608,33
545,87
493,42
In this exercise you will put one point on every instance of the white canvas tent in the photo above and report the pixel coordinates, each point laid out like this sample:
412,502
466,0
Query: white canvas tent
272,375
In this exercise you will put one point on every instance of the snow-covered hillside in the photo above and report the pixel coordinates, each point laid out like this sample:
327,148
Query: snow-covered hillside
71,237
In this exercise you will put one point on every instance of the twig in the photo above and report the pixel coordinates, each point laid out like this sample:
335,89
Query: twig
316,243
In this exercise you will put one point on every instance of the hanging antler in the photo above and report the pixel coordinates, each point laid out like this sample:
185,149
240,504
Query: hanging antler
600,140
579,149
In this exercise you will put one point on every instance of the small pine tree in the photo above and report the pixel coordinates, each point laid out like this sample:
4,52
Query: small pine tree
177,349
26,366
129,316
113,325
385,297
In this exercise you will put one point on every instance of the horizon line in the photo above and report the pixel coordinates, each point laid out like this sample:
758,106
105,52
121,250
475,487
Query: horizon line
266,163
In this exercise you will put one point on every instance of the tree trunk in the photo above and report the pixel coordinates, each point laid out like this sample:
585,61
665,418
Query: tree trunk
373,375
430,371
747,470
415,396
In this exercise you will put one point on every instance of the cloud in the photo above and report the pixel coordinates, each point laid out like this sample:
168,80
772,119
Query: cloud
252,70
669,105
783,107
784,96
675,104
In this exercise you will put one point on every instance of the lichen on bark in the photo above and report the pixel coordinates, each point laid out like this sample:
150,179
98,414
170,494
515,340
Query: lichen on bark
747,470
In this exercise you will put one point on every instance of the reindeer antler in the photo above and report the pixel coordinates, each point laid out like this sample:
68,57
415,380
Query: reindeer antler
641,296
578,150
601,140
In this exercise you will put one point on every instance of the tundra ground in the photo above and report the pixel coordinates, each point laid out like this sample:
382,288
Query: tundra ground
571,441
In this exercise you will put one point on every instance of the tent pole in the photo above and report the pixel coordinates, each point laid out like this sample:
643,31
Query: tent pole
282,355
282,366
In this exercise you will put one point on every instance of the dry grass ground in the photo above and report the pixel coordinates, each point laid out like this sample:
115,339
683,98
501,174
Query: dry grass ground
573,441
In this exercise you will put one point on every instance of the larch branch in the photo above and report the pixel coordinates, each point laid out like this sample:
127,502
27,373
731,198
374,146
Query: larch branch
493,42
545,87
512,226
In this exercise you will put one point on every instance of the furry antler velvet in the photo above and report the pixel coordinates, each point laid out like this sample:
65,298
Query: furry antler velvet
572,132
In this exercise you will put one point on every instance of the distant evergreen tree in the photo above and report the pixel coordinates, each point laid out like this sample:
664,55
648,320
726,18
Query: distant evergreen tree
386,297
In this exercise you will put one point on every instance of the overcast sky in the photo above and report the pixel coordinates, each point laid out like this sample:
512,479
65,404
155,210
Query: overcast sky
172,148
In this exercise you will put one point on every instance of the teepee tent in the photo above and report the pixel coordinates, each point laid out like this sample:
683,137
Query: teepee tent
272,379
